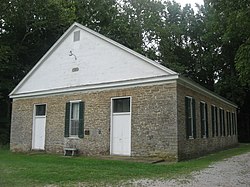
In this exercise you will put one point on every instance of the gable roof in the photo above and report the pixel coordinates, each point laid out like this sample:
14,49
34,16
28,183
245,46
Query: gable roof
165,73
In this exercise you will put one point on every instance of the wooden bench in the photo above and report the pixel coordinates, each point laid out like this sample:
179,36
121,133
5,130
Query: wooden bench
73,151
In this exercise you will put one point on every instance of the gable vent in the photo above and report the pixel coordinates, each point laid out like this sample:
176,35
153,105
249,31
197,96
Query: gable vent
76,36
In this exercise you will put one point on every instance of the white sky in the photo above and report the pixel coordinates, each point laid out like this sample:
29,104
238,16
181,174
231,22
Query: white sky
192,2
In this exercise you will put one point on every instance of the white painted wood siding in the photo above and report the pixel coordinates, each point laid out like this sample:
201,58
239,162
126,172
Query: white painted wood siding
98,61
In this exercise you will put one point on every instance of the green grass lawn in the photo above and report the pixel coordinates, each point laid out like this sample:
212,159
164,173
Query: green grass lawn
20,169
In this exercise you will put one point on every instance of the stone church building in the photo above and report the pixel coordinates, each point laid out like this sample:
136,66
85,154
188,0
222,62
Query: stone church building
91,93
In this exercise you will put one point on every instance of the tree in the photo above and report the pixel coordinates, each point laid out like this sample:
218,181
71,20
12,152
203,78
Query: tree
232,23
27,30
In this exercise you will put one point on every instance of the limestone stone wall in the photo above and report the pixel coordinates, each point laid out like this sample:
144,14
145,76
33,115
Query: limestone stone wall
190,148
153,125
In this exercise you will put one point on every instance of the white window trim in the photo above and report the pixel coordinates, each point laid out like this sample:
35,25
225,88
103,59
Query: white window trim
119,113
192,120
34,109
70,135
205,119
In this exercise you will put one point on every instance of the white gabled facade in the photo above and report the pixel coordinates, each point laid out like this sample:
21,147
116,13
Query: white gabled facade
93,61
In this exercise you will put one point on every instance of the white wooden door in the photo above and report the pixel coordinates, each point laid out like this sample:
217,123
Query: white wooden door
39,123
121,127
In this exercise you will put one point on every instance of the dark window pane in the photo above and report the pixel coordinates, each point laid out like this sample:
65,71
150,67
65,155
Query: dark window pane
121,105
40,110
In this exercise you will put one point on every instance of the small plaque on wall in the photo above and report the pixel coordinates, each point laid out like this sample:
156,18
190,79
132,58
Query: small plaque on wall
86,132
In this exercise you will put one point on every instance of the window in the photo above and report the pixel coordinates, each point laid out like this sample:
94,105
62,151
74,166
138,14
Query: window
121,105
234,123
228,123
214,117
74,119
222,122
41,110
204,121
76,36
190,117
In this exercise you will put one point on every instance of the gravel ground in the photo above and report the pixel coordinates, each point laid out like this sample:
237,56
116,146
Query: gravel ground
230,172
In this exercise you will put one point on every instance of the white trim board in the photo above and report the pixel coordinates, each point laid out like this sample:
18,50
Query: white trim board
108,85
64,36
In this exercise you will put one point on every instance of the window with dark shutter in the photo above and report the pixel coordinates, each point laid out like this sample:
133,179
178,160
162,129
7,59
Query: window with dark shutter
204,121
67,116
190,117
74,119
206,113
230,124
221,122
224,124
194,118
234,124
214,119
228,121
81,120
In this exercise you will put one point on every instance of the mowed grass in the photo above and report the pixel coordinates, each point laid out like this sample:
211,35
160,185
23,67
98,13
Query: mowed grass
20,169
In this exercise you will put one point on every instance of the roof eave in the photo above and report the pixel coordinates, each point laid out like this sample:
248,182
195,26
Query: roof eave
195,85
103,86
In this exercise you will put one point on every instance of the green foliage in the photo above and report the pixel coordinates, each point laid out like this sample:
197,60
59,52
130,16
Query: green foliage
243,62
45,169
231,21
27,30
210,46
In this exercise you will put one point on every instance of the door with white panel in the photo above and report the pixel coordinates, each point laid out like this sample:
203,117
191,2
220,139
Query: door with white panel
39,123
121,126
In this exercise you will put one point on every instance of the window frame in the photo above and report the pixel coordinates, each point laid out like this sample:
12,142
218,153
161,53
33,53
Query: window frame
120,98
234,123
203,119
228,122
70,118
191,117
35,111
214,120
67,127
222,121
